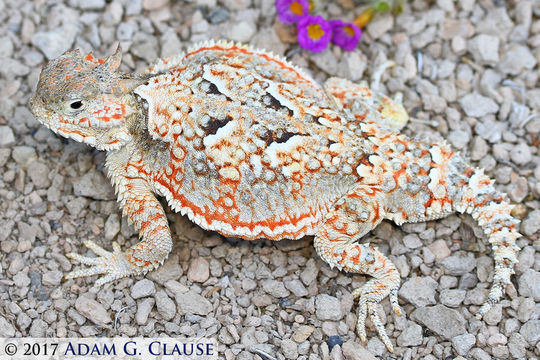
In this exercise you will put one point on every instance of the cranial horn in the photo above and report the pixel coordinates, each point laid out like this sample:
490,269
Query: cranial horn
76,53
113,61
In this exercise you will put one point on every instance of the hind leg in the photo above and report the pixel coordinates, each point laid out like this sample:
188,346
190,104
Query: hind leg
353,216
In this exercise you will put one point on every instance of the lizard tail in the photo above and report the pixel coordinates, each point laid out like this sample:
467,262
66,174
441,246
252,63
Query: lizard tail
488,207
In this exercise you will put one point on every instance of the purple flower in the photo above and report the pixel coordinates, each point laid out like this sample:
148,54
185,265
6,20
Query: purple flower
290,11
314,33
346,35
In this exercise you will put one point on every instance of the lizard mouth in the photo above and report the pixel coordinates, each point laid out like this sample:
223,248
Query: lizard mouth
36,104
32,104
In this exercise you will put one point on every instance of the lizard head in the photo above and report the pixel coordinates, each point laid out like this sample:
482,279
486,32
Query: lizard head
86,99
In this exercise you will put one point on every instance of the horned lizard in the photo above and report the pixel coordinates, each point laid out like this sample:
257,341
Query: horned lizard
248,145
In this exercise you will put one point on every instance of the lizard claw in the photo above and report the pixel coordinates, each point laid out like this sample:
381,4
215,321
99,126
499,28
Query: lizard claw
113,265
368,305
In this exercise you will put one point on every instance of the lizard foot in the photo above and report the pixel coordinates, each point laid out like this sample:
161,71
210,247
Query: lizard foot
114,265
370,295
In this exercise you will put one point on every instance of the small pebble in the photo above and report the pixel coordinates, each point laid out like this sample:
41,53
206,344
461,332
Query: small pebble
199,270
57,41
529,284
328,307
531,224
289,348
143,310
6,329
7,137
476,105
521,154
333,341
192,303
463,343
165,306
92,310
143,288
411,336
531,331
302,333
443,321
485,49
419,291
275,288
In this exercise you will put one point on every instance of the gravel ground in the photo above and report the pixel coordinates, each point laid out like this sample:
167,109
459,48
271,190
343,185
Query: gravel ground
471,67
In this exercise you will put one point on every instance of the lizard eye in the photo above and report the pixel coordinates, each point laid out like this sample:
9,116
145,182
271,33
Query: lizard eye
76,105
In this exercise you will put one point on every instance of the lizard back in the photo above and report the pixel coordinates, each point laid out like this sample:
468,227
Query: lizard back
255,145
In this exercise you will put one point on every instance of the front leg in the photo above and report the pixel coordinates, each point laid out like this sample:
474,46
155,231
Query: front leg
146,213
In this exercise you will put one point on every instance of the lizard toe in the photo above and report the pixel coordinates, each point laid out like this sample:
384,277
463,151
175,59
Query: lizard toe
112,265
370,307
369,298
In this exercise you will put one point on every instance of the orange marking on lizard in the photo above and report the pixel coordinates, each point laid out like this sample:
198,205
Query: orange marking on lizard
484,182
377,214
71,131
85,120
231,51
360,116
406,144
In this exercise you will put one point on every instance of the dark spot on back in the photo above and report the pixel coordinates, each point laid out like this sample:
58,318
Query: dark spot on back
214,125
283,137
213,89
276,105
268,139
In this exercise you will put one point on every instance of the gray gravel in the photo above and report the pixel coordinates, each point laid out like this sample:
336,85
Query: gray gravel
471,66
